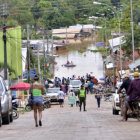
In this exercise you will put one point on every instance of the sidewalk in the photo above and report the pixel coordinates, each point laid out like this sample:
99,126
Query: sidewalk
69,123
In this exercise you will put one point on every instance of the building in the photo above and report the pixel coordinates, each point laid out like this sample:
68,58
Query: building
14,59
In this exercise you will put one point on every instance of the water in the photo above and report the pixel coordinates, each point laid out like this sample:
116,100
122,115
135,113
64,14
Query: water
87,62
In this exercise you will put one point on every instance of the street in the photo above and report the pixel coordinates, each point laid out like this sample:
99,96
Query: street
68,123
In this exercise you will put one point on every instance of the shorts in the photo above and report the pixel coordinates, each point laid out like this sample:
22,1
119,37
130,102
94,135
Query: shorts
77,102
61,100
37,100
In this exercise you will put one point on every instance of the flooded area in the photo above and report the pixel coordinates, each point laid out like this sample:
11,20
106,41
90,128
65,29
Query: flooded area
85,61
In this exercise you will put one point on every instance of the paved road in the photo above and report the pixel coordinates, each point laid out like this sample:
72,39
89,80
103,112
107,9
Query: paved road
70,124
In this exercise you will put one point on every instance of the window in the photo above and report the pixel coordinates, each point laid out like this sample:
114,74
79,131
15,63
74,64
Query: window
78,82
53,90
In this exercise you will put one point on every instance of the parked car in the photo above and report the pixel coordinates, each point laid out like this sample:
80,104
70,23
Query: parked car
75,85
116,100
6,103
52,93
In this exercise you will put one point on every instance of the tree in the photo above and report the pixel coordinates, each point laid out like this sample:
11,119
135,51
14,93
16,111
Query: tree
52,19
115,2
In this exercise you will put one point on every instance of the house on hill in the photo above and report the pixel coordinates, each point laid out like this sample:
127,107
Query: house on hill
66,33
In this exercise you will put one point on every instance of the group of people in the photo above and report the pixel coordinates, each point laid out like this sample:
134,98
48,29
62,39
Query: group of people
88,81
132,88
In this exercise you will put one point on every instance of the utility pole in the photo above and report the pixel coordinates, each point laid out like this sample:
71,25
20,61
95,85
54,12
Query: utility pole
66,35
38,59
113,60
47,45
4,15
105,36
28,51
44,54
52,45
132,28
52,54
120,48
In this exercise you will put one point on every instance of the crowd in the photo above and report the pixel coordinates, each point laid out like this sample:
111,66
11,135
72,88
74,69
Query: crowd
88,85
88,81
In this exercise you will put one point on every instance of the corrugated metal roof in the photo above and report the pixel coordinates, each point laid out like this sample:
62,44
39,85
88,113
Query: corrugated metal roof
115,42
68,31
91,26
135,64
65,36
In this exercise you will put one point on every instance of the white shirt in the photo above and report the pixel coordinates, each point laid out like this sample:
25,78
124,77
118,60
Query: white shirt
61,94
46,82
71,94
86,85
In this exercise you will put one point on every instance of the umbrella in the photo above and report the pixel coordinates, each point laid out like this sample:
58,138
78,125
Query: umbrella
20,86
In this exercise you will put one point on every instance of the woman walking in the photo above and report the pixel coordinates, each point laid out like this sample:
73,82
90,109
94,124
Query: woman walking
71,98
37,91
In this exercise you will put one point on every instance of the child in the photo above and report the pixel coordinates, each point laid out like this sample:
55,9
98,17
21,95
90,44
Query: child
77,101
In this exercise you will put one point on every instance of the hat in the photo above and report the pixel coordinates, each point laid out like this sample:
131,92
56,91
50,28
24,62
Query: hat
125,75
136,74
82,86
36,77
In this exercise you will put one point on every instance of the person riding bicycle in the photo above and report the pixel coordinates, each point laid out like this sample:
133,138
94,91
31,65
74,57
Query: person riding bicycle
125,85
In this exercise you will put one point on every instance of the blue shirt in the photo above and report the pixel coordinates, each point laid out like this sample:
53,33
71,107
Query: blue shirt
91,85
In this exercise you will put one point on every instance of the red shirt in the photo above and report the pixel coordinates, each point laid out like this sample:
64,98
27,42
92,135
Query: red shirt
134,89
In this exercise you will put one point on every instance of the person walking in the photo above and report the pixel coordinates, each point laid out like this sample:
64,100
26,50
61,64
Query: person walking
37,91
77,100
46,84
98,95
71,98
82,97
91,87
86,87
61,98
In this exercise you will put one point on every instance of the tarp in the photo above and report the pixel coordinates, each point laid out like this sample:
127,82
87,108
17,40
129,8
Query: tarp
99,44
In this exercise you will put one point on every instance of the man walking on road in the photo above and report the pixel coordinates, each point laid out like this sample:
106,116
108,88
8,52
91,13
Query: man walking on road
37,91
82,97
98,95
61,97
